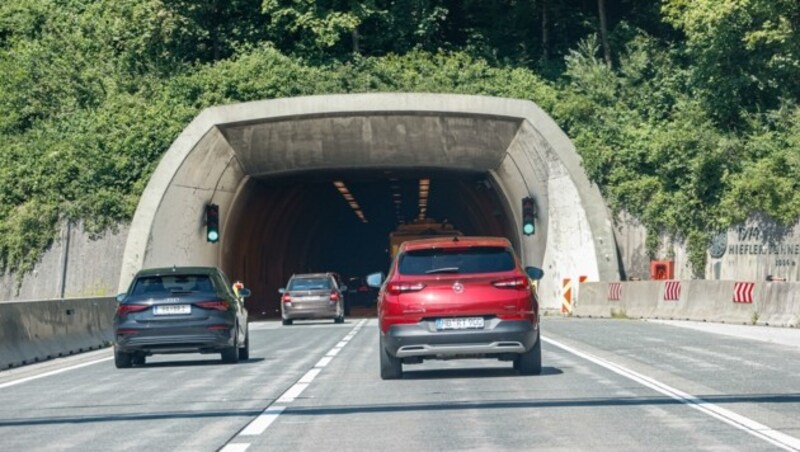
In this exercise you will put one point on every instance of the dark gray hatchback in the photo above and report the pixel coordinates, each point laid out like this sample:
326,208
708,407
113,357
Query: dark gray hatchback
180,310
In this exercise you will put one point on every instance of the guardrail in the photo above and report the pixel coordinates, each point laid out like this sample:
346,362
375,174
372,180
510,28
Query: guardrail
741,302
33,331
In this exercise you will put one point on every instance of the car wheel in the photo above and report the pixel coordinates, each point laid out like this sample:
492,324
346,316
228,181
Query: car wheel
339,319
244,352
530,362
287,322
122,360
230,355
391,367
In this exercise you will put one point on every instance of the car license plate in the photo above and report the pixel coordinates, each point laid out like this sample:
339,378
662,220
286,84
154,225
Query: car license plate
172,309
459,323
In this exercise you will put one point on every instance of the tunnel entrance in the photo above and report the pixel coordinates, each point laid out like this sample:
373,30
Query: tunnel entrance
271,167
307,222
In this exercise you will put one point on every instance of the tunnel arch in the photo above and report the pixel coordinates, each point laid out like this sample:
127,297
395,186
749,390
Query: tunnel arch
263,161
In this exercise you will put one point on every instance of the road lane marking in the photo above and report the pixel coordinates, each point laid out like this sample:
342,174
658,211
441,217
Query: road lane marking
238,447
259,424
53,372
310,375
324,361
292,393
743,423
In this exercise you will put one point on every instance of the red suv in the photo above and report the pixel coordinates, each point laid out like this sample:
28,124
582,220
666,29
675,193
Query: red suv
458,297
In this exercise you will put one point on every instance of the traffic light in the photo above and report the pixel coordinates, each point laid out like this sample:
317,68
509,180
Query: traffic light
528,214
212,223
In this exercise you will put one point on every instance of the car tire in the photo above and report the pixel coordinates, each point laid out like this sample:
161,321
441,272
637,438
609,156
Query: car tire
287,322
230,355
391,367
530,362
122,360
339,319
244,352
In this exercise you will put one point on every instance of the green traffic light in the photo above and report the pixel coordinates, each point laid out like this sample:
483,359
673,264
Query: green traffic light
528,229
213,236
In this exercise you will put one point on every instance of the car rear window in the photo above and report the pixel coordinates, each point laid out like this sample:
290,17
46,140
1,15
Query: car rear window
310,284
479,259
172,284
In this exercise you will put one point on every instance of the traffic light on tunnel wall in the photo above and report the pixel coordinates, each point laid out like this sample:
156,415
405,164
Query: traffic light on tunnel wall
212,223
528,213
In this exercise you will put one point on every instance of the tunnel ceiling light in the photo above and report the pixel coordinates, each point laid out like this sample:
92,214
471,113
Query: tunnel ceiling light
424,192
341,187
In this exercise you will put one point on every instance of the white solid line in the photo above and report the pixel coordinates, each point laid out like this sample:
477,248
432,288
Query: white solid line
310,375
263,421
53,372
743,423
324,361
235,447
292,393
341,344
334,351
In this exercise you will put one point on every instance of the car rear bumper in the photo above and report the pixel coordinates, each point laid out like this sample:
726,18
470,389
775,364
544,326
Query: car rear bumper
326,312
498,337
186,340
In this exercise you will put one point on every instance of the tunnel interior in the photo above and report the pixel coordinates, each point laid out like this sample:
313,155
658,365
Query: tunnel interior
303,222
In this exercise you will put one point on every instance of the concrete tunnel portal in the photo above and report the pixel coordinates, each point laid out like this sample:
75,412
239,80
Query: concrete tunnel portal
271,167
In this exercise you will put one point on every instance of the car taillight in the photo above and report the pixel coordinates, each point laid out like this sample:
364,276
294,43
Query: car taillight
218,327
334,296
219,305
398,288
125,332
286,298
517,282
125,309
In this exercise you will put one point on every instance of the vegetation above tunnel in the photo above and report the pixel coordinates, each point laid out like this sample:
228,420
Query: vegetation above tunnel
685,113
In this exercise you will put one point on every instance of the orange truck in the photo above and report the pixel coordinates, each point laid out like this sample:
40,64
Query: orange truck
419,229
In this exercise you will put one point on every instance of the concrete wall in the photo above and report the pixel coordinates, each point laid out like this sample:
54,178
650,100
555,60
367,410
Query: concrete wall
744,252
35,331
773,303
77,265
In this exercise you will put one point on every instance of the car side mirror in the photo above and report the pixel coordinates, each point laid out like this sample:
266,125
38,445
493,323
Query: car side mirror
375,279
534,272
244,293
281,291
121,296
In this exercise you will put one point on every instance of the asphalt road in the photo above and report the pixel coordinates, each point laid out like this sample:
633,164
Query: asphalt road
606,385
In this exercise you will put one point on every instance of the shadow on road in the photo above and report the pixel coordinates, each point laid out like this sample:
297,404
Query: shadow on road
434,374
197,362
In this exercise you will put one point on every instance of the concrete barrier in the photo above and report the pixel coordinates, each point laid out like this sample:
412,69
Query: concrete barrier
32,331
773,303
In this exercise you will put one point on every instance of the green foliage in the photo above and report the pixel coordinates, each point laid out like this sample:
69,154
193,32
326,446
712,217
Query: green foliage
696,126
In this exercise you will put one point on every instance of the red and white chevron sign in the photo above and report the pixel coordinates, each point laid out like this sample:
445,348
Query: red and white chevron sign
615,291
672,290
743,292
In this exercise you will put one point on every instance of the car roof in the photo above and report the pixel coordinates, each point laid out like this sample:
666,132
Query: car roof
312,275
454,242
164,271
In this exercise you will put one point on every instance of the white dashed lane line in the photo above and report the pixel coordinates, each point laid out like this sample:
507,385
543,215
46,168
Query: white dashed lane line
261,423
